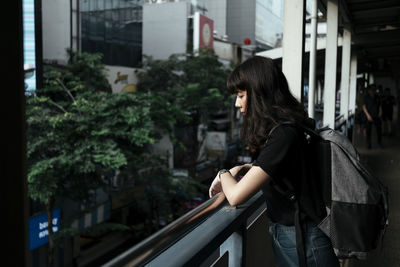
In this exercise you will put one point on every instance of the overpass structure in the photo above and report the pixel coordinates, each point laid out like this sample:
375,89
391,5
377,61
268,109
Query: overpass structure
362,40
361,46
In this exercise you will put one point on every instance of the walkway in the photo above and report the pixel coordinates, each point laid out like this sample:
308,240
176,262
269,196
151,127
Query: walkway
385,164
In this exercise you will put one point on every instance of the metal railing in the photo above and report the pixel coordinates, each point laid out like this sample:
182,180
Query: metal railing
212,234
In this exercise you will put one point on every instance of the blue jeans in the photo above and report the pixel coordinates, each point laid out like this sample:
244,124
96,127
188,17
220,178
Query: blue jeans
318,248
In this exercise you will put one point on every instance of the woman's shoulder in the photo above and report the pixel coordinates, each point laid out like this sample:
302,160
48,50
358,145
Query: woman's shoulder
286,131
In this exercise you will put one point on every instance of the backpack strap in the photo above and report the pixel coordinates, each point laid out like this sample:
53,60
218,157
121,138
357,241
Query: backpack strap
299,236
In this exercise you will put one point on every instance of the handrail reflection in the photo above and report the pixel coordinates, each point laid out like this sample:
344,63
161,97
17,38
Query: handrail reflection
144,251
339,122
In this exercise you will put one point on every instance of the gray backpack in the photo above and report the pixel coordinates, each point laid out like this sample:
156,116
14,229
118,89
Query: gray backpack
357,207
356,202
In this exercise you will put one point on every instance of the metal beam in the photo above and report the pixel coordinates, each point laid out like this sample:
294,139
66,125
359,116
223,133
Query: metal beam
381,37
380,21
361,29
378,12
376,5
362,1
345,13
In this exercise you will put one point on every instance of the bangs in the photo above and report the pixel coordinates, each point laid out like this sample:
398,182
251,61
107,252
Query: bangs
235,82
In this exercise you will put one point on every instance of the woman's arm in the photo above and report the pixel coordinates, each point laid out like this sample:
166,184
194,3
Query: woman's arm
216,186
238,192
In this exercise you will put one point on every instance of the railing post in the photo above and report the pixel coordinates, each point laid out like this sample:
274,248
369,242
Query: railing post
234,246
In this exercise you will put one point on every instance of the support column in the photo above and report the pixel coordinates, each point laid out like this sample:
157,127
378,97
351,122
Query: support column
293,45
345,79
353,84
313,60
330,64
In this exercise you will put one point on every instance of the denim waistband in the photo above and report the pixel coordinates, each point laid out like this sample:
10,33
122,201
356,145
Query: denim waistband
307,226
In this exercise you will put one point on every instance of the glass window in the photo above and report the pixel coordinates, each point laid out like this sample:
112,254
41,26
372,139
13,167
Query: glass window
110,25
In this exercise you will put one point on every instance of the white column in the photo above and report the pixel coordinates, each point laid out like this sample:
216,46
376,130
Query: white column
293,45
330,64
345,77
313,61
353,84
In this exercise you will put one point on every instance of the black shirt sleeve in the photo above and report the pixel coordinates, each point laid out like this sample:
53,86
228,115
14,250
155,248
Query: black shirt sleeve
275,156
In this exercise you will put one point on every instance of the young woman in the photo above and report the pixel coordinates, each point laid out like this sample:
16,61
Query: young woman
264,99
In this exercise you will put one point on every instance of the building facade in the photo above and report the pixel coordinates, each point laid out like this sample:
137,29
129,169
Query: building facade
113,28
258,22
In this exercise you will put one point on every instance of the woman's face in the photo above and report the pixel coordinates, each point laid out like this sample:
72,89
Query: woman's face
241,101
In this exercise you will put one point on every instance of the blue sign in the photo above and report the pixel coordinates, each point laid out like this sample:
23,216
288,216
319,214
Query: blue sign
38,228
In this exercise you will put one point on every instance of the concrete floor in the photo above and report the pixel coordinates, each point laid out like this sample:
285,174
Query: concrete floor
385,164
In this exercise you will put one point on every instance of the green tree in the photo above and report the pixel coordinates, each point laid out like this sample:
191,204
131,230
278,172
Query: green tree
79,134
195,84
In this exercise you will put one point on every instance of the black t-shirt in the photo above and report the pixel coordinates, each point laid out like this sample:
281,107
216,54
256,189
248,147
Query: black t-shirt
282,159
372,105
387,104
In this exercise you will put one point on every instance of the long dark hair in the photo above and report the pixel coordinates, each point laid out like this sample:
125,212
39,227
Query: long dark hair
269,100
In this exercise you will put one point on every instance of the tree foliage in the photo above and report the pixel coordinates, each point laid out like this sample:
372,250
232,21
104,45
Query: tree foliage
194,83
80,135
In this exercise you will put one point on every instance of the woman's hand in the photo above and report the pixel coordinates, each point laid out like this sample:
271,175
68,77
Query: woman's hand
215,187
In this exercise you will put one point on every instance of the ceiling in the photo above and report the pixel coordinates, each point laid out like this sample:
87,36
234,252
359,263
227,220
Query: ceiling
375,27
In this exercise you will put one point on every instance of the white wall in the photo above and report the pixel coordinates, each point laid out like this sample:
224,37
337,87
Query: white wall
56,30
224,50
241,20
165,29
121,78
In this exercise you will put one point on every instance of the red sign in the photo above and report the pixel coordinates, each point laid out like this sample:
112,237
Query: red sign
206,32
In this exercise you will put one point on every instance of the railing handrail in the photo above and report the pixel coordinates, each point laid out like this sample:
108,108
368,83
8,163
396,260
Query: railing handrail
191,245
200,243
164,238
343,122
